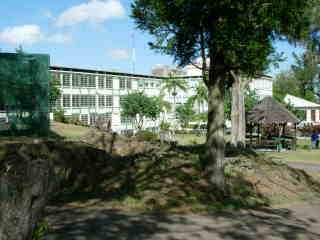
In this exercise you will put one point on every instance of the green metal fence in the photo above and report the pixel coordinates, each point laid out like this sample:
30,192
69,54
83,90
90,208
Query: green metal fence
24,90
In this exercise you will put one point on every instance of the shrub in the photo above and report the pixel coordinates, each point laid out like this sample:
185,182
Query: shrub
59,116
147,136
164,126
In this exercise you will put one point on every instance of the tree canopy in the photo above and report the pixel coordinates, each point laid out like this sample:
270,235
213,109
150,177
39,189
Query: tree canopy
138,106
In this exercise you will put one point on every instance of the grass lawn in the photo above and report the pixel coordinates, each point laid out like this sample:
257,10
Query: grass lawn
69,131
305,156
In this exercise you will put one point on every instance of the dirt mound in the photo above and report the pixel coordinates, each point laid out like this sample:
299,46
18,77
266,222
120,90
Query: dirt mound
117,145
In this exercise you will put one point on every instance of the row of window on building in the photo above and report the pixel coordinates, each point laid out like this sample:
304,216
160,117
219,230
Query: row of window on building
80,100
78,80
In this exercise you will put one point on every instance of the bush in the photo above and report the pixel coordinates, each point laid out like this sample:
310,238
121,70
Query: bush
40,230
147,136
164,126
58,115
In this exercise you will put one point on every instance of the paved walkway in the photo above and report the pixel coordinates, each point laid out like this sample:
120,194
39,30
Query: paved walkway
306,166
295,222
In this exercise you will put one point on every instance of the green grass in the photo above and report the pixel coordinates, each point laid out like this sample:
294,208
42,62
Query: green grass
69,131
305,156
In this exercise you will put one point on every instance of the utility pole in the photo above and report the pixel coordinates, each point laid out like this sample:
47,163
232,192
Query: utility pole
133,53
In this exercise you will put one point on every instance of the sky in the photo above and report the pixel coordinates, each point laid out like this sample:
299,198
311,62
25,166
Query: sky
95,34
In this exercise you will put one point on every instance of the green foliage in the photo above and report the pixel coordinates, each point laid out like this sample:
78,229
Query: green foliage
251,99
239,33
59,116
54,91
139,106
147,136
173,84
185,114
299,113
200,97
300,80
41,230
164,126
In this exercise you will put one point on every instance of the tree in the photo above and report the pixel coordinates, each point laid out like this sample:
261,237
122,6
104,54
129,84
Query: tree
164,105
185,114
285,83
299,81
54,91
138,106
173,84
200,96
235,35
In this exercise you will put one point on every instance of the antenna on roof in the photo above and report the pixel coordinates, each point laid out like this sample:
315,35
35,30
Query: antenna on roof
133,53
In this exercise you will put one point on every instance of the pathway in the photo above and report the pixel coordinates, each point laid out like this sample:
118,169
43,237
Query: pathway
292,222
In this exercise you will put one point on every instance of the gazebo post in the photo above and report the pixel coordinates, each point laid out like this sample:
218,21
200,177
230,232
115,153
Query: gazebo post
295,137
259,134
251,130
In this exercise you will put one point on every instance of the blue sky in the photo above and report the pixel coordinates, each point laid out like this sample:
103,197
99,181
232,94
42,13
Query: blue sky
89,34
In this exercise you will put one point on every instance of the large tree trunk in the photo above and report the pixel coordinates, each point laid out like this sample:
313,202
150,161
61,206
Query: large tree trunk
215,145
238,118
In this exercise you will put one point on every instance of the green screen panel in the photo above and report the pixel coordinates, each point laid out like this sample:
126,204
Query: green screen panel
24,91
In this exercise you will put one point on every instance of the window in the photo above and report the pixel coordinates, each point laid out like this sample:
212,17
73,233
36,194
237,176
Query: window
122,83
66,80
88,100
109,101
83,80
84,119
126,120
140,83
152,84
121,99
92,100
109,82
91,81
76,80
66,100
93,118
76,101
129,83
146,84
313,115
101,101
101,82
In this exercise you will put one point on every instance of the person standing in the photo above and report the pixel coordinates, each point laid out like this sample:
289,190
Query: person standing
314,140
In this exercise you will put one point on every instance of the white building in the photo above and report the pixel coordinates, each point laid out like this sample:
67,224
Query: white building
262,84
88,94
312,109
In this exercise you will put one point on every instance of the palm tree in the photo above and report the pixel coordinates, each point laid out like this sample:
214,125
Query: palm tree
201,96
164,105
173,84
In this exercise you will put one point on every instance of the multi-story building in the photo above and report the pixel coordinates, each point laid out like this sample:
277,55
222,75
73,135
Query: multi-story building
88,94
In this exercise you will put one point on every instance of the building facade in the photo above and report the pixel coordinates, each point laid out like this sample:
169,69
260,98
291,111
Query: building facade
87,95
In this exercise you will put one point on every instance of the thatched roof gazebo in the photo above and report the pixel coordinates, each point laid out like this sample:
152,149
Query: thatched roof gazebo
269,112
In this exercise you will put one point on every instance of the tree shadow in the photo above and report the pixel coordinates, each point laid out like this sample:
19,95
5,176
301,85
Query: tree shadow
95,223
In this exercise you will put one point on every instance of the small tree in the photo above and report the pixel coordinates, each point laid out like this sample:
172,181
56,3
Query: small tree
173,84
138,106
185,113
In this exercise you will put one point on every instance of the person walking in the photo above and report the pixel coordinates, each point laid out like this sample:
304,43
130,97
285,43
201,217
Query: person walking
314,140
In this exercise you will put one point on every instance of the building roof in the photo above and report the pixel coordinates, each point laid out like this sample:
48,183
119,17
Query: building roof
300,102
82,70
270,111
